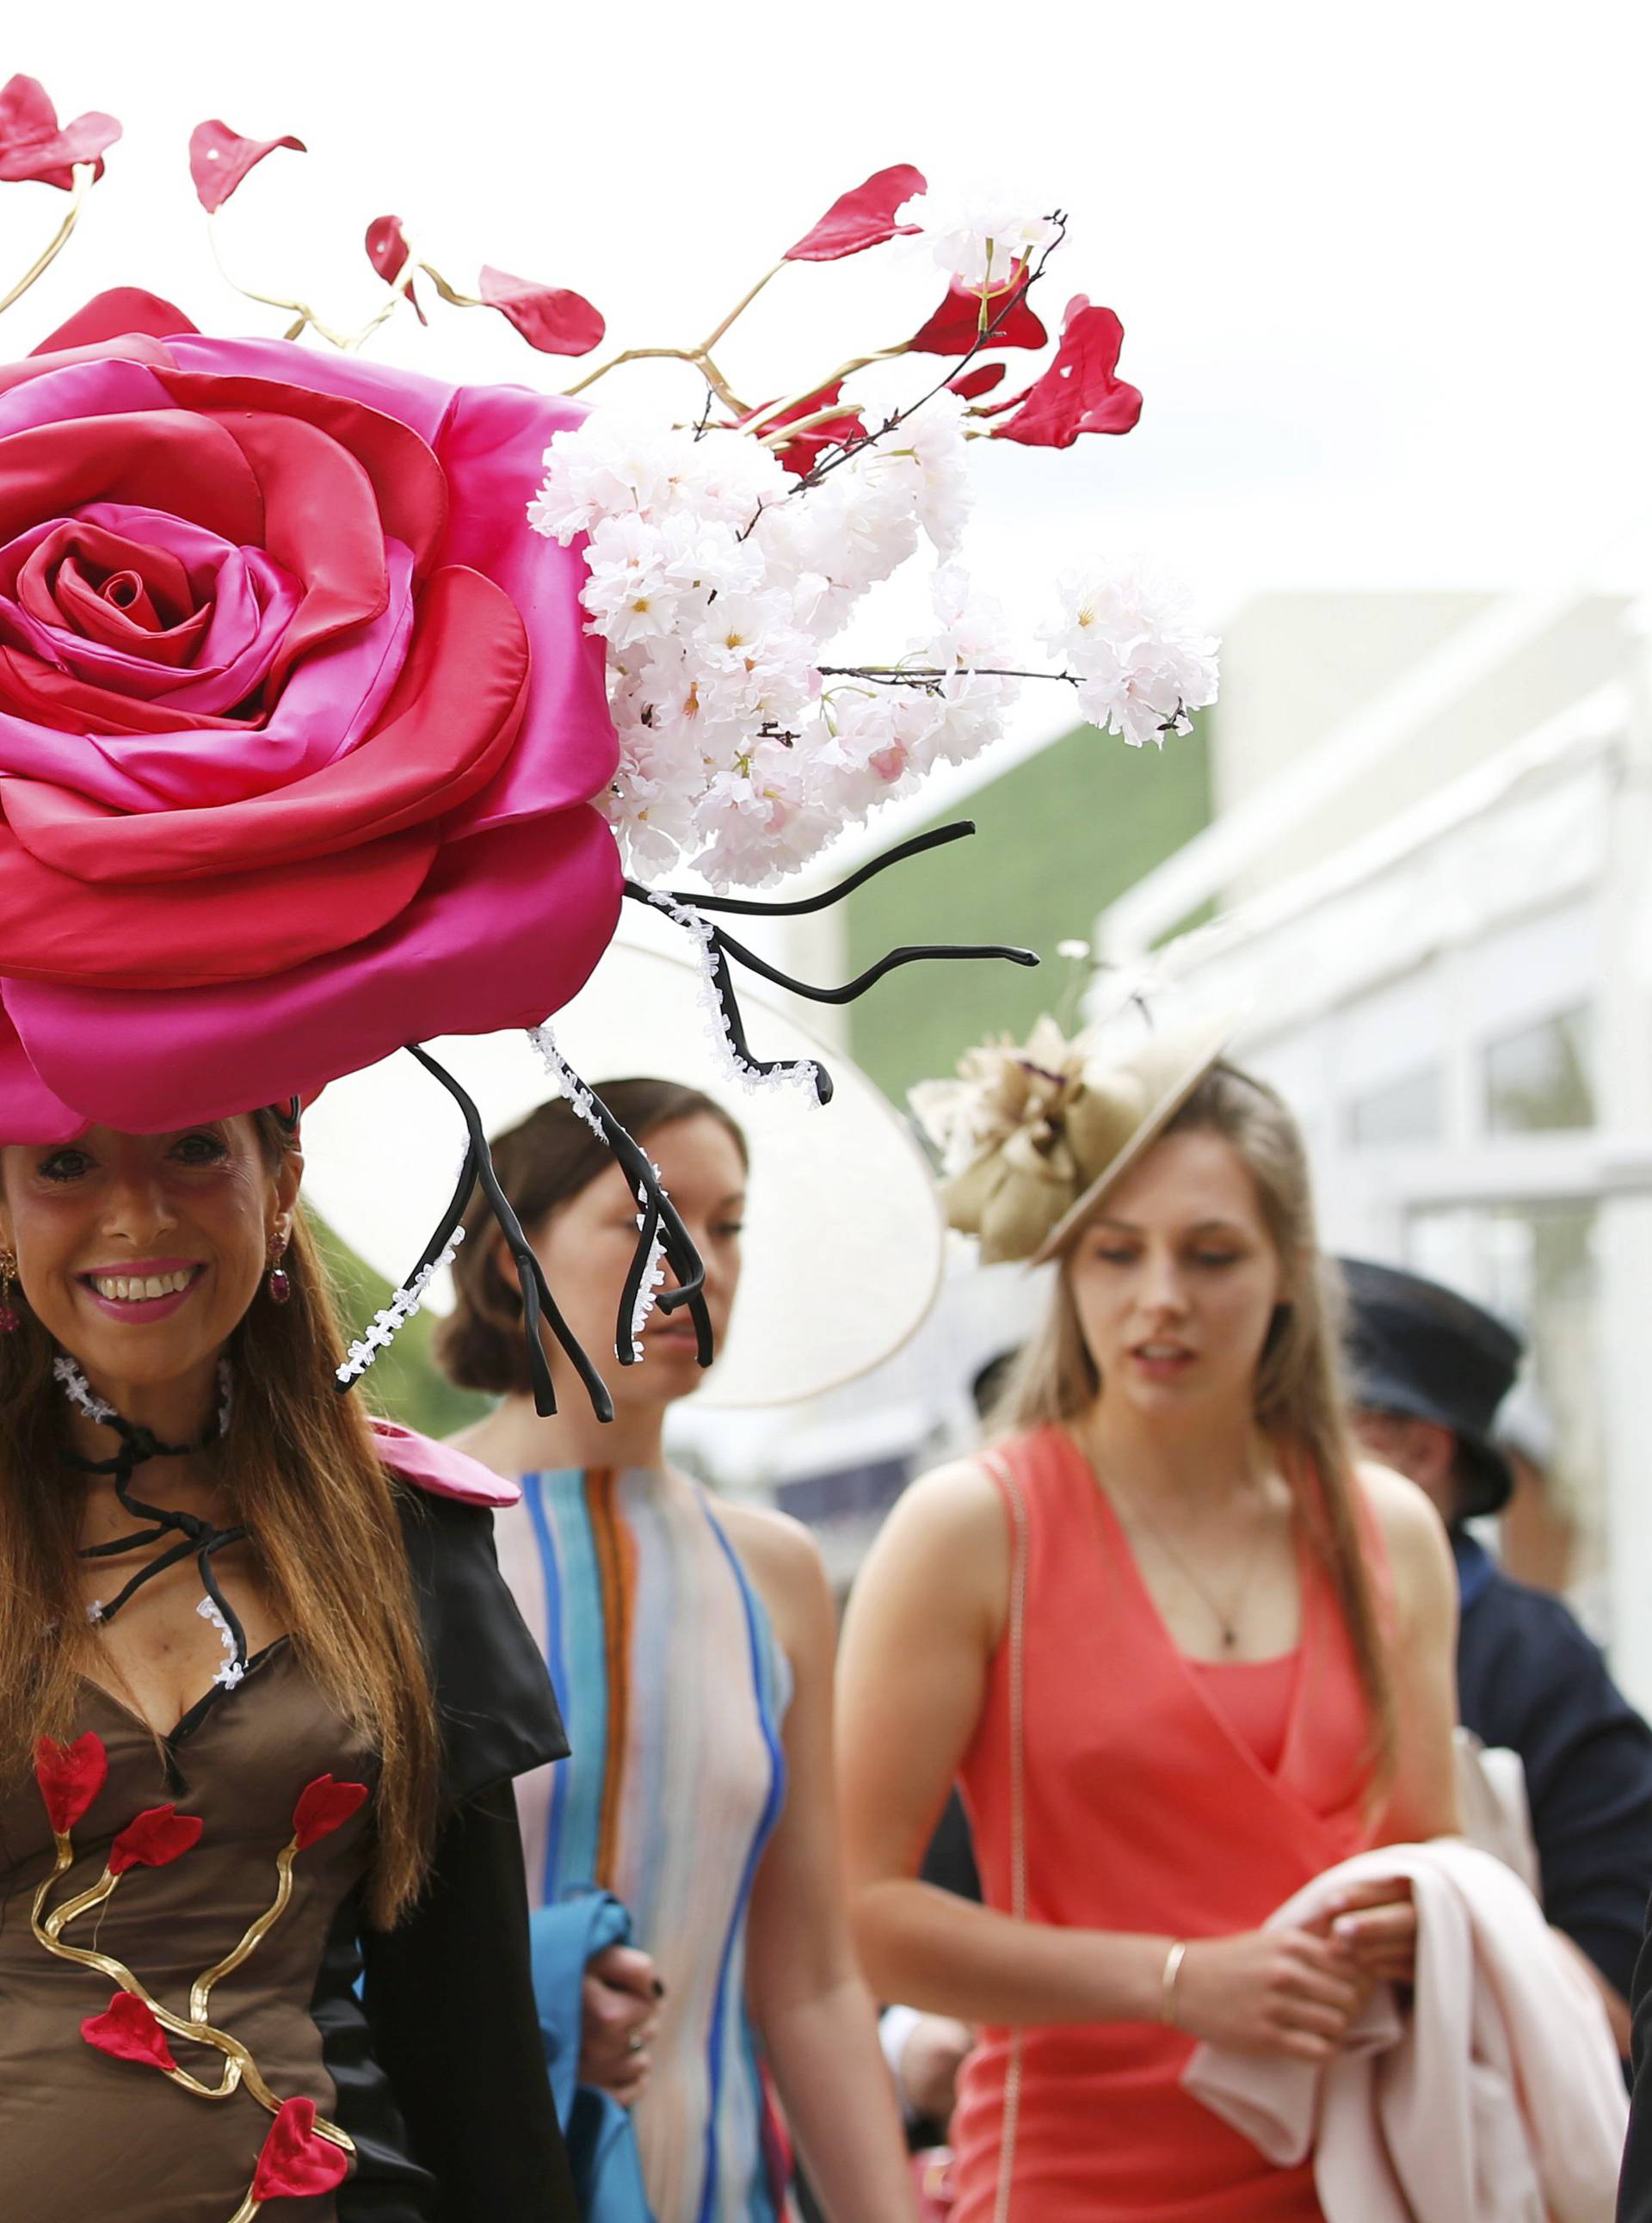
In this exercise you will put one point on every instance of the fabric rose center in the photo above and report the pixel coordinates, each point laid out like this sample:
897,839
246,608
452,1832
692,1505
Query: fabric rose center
154,606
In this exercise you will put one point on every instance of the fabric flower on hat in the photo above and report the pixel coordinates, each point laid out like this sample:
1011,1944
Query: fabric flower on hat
298,726
1001,1127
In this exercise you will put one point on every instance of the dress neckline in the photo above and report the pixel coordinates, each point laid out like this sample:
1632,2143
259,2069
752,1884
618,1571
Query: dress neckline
1109,1529
193,1715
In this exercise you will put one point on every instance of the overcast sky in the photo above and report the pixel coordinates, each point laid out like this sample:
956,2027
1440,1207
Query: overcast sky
1384,272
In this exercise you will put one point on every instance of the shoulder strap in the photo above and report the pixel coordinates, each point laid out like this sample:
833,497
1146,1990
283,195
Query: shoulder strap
1003,1472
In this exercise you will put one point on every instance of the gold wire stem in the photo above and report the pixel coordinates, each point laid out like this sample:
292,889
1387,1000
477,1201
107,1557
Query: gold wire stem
451,294
699,357
99,1892
240,2068
784,434
399,285
201,1990
302,310
248,2209
83,173
833,378
633,354
739,309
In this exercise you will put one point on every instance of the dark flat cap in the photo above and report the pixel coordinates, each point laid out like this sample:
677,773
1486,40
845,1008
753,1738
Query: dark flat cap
1418,1347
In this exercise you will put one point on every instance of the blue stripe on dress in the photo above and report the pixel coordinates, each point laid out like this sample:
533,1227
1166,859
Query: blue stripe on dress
556,1660
762,1641
580,1821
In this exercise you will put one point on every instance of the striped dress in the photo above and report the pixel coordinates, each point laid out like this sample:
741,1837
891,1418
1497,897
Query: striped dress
673,1688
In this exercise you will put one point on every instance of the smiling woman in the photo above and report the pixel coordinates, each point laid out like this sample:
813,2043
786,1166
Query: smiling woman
239,1627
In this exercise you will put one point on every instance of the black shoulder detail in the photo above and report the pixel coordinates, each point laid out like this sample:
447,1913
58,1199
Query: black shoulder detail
498,1710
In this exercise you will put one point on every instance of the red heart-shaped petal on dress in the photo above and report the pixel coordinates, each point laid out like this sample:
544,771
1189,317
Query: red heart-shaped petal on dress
295,2162
70,1777
323,1807
128,2030
157,1837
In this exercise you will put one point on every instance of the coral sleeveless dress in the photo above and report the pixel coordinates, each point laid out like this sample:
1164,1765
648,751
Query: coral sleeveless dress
1151,1806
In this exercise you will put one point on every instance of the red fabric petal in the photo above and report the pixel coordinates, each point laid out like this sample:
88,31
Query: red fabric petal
1079,391
323,1807
549,317
800,455
127,2029
236,926
33,1113
448,725
154,1839
974,383
956,326
409,485
35,148
865,217
320,523
114,315
162,458
508,926
70,1777
220,158
295,2164
387,250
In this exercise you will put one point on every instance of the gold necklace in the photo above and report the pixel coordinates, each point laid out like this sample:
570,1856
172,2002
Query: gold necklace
1225,1617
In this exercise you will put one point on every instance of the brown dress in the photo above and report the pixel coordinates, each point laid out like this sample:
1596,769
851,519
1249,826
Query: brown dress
241,1767
420,2045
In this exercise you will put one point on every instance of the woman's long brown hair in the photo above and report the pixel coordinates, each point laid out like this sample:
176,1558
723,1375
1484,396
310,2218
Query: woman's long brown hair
1299,1401
302,1465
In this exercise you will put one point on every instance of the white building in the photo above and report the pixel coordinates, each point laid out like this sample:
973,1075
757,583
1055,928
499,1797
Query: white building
1437,914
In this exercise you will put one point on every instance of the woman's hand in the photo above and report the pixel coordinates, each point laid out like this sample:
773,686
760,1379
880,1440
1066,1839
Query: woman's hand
1270,1991
1378,1924
935,2051
619,2019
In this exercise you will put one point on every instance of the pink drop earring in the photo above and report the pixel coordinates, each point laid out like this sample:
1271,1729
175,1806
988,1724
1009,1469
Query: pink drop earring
10,1318
279,1284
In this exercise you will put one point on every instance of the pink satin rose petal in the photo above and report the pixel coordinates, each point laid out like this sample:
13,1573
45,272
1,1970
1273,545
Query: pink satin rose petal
225,651
390,447
489,441
120,312
29,1111
492,447
507,928
455,711
237,926
167,769
166,582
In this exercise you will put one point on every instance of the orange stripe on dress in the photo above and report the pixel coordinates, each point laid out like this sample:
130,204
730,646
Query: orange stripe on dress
616,1569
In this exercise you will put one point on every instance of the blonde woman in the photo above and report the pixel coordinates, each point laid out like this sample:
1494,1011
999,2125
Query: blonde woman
1181,1653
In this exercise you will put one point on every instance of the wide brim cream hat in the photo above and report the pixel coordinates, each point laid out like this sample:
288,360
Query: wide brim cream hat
845,1233
1033,1134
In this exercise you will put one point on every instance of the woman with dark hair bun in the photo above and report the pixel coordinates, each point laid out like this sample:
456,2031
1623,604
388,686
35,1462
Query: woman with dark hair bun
691,1642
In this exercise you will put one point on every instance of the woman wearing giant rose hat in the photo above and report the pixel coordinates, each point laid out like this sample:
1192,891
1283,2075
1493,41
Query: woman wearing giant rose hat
297,740
301,727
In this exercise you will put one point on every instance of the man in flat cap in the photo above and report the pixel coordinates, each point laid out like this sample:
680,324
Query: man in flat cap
1429,1371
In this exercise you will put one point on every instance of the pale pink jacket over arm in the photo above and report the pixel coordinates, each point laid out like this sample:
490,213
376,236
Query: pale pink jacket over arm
1498,2098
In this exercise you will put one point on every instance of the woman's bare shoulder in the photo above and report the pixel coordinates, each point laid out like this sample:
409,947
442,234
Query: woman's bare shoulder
1419,1551
774,1547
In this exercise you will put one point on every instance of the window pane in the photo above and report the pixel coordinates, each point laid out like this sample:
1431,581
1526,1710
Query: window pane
1408,1111
1538,1080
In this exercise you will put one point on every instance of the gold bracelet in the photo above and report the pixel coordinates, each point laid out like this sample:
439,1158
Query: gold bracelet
1173,1960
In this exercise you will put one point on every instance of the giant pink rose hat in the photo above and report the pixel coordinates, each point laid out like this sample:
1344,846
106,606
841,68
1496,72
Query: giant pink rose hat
342,706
